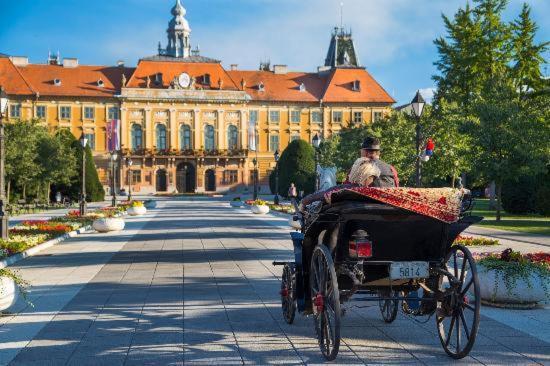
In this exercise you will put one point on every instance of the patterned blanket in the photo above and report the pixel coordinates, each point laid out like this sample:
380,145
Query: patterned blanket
440,203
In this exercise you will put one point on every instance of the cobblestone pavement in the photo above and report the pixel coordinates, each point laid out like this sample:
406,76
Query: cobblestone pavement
195,285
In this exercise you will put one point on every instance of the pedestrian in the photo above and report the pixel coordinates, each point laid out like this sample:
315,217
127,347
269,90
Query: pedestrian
292,194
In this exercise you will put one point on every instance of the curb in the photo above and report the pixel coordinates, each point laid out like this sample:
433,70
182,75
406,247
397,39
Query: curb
38,248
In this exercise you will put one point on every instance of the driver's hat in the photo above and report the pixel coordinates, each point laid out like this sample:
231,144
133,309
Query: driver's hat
371,143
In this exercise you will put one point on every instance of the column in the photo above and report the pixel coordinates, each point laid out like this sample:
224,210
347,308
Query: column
221,130
197,140
148,130
172,130
124,129
244,130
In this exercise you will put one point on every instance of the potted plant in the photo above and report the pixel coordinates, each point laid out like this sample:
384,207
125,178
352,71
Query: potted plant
236,202
512,279
259,207
109,222
137,209
11,286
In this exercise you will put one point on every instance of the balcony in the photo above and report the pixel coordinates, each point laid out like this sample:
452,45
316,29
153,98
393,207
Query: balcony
191,153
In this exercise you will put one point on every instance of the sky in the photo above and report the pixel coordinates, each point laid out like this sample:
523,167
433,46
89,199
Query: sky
394,38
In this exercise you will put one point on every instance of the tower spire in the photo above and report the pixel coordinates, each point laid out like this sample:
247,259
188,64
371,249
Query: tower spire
178,32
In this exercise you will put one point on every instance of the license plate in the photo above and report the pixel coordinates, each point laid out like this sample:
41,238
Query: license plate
401,270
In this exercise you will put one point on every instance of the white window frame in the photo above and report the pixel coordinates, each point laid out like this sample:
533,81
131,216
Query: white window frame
353,114
297,112
278,116
61,108
89,108
314,113
45,116
15,110
271,147
341,116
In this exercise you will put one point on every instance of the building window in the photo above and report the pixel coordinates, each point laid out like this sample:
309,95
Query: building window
230,177
357,117
316,117
274,116
377,116
209,138
91,139
136,176
161,136
137,137
15,111
232,138
65,112
253,116
113,113
185,137
89,112
337,116
294,137
295,116
273,143
41,111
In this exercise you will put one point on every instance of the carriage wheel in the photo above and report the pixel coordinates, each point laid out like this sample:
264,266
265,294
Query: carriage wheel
288,293
326,301
388,308
458,313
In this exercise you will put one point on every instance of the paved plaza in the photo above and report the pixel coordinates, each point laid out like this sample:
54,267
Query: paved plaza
192,283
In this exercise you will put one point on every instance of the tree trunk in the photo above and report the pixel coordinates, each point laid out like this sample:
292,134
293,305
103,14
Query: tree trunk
492,195
499,200
48,190
9,189
25,192
453,181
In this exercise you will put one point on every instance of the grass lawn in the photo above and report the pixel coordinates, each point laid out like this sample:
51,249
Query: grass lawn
534,224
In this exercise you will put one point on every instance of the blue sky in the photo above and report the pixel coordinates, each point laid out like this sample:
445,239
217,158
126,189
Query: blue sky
393,37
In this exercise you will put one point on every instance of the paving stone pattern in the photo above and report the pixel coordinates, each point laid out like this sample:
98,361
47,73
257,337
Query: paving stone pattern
196,286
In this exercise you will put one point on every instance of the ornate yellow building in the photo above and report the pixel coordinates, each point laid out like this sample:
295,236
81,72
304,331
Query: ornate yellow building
188,124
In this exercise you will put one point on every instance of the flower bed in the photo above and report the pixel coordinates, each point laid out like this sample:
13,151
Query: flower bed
470,241
288,209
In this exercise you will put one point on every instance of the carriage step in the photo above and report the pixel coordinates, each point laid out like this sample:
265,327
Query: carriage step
280,263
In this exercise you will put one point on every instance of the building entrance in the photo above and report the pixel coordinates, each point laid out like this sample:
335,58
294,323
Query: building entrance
185,178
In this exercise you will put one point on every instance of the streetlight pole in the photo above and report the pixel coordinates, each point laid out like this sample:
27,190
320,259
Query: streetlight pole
276,198
82,206
418,107
129,163
3,215
113,193
255,195
316,142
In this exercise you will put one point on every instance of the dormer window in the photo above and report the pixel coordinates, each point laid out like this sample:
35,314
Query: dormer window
261,87
206,79
100,83
57,82
356,85
158,78
302,87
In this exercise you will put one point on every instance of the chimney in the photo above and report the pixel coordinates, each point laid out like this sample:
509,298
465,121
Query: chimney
280,69
19,60
234,67
70,62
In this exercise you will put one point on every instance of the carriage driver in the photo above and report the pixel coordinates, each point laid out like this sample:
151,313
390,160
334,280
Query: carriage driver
388,175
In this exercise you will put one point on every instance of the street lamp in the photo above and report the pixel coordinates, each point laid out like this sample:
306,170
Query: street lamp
83,143
113,193
418,104
276,198
316,141
129,163
255,162
3,216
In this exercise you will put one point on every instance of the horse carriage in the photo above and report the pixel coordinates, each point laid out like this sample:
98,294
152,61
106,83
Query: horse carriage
392,246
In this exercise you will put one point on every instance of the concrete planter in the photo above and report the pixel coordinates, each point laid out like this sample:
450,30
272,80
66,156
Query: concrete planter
105,225
494,289
137,210
236,203
9,293
150,204
259,209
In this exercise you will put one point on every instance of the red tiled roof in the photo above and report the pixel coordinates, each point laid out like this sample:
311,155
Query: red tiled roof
170,70
75,81
11,79
340,83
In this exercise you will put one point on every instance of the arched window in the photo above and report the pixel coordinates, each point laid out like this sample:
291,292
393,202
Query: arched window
137,137
209,138
232,138
161,137
185,137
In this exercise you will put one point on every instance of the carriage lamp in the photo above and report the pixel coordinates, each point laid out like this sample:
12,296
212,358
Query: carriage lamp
418,104
4,100
82,206
276,198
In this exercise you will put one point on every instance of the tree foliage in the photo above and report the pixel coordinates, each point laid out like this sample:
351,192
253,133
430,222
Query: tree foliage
296,165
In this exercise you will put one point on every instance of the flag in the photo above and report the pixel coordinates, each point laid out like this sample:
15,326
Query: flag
113,142
252,136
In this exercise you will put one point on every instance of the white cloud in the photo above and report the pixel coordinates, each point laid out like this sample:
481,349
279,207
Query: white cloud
428,94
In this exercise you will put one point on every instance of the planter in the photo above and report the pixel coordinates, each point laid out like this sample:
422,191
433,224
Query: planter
9,293
108,224
259,209
518,291
236,203
136,210
150,204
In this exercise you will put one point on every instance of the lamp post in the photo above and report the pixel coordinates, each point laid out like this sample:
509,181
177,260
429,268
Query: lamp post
3,216
418,107
255,195
82,206
276,198
316,141
129,163
113,193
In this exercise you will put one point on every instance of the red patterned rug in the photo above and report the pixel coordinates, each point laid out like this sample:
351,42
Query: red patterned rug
440,203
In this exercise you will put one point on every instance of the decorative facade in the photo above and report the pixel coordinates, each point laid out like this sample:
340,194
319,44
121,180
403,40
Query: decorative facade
188,124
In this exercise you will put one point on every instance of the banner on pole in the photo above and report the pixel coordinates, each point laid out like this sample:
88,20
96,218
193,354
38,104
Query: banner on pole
113,141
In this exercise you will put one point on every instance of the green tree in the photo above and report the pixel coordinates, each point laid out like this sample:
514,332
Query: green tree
296,165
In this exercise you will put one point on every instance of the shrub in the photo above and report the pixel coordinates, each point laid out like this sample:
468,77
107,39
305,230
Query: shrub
470,241
296,165
518,196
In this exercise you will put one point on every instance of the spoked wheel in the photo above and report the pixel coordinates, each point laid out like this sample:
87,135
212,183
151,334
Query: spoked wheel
326,301
288,293
458,313
388,308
